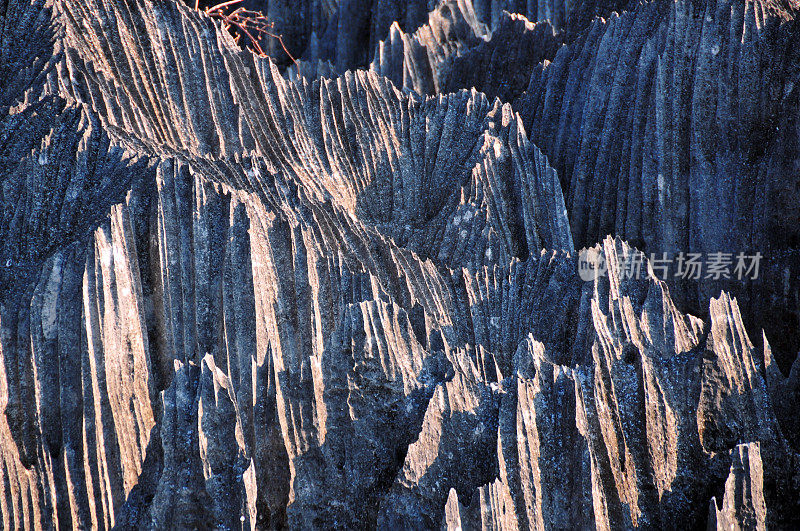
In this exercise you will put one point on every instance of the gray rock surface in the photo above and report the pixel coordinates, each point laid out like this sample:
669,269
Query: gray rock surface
455,51
229,299
342,32
420,61
346,32
671,125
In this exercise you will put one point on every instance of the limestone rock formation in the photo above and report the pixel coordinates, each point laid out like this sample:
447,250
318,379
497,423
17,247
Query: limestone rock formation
419,61
455,51
231,298
672,125
344,33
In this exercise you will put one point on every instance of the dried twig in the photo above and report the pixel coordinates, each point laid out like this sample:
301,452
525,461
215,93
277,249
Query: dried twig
223,5
240,21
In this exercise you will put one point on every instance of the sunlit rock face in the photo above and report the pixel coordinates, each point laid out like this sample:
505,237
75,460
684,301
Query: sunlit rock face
235,297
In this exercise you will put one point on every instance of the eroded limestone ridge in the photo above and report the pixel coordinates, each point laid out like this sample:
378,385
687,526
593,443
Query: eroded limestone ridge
229,299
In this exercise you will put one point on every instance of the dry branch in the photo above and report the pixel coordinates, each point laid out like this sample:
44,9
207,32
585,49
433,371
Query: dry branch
240,21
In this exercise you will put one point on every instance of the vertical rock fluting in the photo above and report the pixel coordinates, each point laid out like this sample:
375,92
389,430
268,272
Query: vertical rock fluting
234,300
455,51
418,61
344,33
682,104
339,32
673,126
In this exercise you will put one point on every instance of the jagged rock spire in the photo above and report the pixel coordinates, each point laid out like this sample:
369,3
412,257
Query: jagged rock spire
233,299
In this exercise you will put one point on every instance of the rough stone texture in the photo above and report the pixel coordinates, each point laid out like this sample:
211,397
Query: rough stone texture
345,33
743,505
342,32
419,61
455,51
233,300
672,125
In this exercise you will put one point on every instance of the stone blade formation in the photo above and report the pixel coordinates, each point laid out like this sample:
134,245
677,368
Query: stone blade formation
400,264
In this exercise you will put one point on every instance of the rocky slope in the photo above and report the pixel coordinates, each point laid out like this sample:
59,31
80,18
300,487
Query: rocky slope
232,300
344,33
672,125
